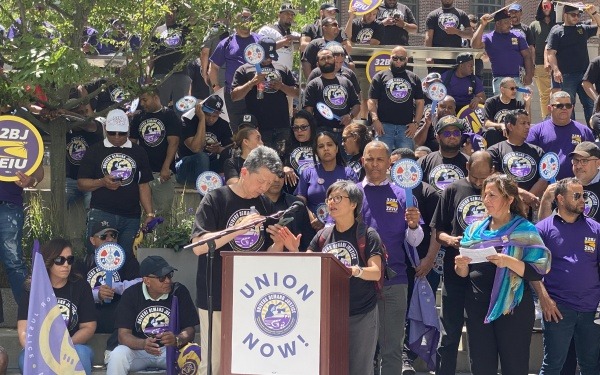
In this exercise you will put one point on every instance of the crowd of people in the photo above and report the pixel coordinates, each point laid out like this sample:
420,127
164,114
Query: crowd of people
330,143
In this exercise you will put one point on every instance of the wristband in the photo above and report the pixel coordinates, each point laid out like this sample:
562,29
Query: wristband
151,214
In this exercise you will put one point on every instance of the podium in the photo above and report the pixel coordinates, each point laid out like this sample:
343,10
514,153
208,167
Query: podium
284,313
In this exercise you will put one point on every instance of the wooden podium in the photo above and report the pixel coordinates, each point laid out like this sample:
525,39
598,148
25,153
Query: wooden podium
284,313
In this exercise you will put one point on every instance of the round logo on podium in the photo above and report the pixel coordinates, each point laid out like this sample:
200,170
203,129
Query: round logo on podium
276,314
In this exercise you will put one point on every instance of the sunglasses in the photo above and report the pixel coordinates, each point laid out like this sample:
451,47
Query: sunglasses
454,133
577,196
574,14
511,88
60,260
300,128
104,236
163,278
117,133
401,58
561,106
332,25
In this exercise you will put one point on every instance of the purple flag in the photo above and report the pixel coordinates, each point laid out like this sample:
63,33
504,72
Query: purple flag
48,346
173,327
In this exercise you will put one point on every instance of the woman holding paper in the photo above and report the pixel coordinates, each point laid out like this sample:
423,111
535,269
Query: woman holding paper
499,303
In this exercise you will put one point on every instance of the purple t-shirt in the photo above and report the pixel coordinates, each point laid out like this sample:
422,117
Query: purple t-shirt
561,140
314,182
461,89
573,280
10,192
230,51
383,209
504,51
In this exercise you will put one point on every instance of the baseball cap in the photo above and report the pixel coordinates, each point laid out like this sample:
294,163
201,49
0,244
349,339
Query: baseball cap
268,44
571,9
587,150
431,77
117,121
516,7
329,7
249,120
478,143
212,103
101,227
287,7
503,14
449,120
464,57
155,265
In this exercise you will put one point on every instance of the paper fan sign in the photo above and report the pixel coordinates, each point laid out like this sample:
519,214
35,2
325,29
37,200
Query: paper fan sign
21,148
407,174
254,54
326,112
362,7
549,167
186,103
322,213
133,105
437,91
475,118
110,257
208,181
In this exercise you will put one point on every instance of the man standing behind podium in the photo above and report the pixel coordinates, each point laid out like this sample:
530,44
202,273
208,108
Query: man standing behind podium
228,206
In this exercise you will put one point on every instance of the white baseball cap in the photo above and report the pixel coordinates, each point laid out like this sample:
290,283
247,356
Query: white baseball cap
117,121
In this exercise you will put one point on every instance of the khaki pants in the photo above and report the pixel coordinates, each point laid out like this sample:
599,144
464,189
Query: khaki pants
542,81
216,342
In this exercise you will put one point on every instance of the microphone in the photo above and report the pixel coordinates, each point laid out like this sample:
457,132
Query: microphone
290,210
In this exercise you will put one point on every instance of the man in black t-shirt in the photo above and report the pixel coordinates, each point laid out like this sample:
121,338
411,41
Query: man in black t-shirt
315,30
158,129
364,30
331,33
498,106
591,79
144,318
446,26
398,22
459,206
117,172
266,94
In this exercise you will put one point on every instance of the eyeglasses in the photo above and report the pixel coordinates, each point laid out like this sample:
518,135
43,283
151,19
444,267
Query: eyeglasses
336,199
344,139
401,58
577,196
163,278
582,162
511,88
60,260
104,236
120,134
300,128
332,25
454,133
561,106
574,14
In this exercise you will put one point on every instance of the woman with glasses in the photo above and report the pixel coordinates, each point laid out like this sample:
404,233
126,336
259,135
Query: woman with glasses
314,181
344,201
74,298
297,152
499,303
354,139
245,140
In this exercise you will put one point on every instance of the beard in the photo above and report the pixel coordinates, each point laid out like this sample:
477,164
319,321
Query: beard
327,68
286,25
450,148
398,69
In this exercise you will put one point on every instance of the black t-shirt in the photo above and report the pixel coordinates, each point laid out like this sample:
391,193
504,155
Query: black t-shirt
338,94
108,96
592,73
313,48
301,222
314,31
272,112
219,132
396,95
78,142
520,162
570,44
130,164
363,33
298,158
142,315
460,205
440,18
75,301
440,172
495,110
591,195
526,33
363,295
232,167
355,164
168,44
344,72
395,35
152,130
427,199
221,209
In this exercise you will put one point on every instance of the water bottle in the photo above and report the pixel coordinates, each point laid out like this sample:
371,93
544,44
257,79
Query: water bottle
253,210
260,90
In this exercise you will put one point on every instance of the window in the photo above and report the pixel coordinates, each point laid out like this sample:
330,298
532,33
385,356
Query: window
414,7
481,7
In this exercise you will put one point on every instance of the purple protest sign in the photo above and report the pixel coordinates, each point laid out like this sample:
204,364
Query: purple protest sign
174,328
378,62
362,7
22,148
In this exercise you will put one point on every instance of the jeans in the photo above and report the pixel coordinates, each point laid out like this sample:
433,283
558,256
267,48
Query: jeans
190,167
123,359
557,338
572,84
392,313
73,193
394,136
127,227
11,250
173,88
85,353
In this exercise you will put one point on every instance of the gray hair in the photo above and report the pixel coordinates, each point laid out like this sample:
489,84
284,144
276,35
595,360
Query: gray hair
263,157
379,144
506,80
559,94
355,195
335,48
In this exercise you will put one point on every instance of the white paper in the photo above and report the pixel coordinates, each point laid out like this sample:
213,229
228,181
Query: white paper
478,255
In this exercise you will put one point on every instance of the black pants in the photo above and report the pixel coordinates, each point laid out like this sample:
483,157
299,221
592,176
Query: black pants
507,337
453,319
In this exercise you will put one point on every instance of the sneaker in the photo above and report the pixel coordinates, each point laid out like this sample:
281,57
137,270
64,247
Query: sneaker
407,367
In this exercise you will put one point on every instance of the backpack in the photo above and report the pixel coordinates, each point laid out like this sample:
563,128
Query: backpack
361,241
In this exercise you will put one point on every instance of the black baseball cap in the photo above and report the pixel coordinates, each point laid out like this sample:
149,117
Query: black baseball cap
212,104
155,265
329,7
269,45
101,227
